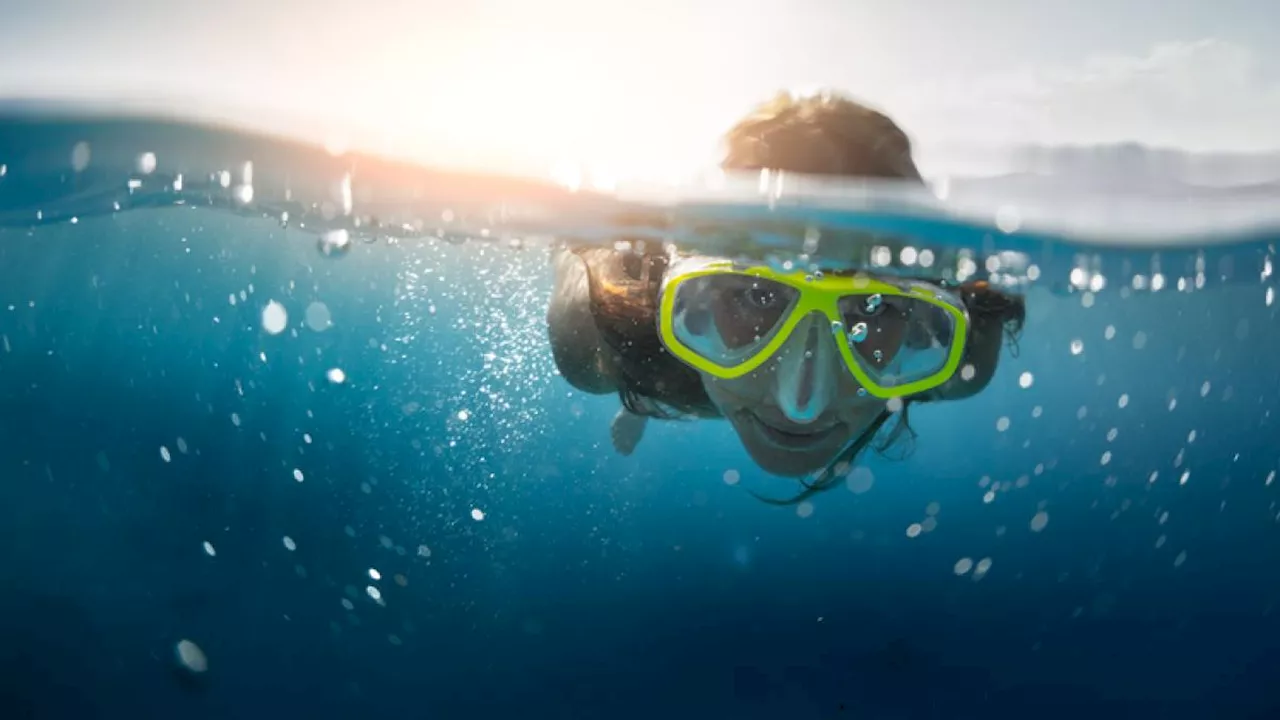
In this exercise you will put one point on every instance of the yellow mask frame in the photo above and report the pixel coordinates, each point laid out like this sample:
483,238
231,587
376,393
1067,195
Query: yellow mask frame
816,293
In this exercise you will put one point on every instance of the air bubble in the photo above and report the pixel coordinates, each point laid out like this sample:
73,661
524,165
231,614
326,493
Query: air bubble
1039,522
190,656
334,243
859,480
858,333
80,156
318,317
1008,219
274,318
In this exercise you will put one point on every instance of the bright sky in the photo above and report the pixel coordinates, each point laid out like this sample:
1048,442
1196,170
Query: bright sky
648,86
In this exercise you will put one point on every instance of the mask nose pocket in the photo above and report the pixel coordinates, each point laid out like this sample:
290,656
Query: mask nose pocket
806,372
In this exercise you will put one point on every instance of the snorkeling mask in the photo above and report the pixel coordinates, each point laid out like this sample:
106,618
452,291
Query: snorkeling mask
896,337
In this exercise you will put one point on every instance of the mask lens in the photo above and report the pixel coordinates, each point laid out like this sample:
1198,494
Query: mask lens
897,340
727,318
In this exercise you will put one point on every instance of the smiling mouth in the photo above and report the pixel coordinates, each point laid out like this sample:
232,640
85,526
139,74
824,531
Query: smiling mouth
790,439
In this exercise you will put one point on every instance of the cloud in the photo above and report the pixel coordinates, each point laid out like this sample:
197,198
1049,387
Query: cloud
1206,94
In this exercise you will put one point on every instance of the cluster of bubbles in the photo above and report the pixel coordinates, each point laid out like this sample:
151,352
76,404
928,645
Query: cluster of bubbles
500,327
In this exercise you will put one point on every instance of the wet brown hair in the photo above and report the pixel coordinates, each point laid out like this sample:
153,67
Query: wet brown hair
823,134
819,135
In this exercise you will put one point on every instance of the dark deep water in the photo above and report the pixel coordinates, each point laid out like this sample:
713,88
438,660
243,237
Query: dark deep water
464,543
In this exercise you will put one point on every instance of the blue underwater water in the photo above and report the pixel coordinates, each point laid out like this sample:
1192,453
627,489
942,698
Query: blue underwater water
443,530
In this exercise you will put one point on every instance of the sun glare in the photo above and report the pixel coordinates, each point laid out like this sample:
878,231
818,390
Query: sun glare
525,113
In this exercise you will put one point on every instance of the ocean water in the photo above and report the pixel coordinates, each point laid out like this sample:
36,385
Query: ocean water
296,408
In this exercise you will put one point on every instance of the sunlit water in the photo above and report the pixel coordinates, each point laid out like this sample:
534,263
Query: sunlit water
282,437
